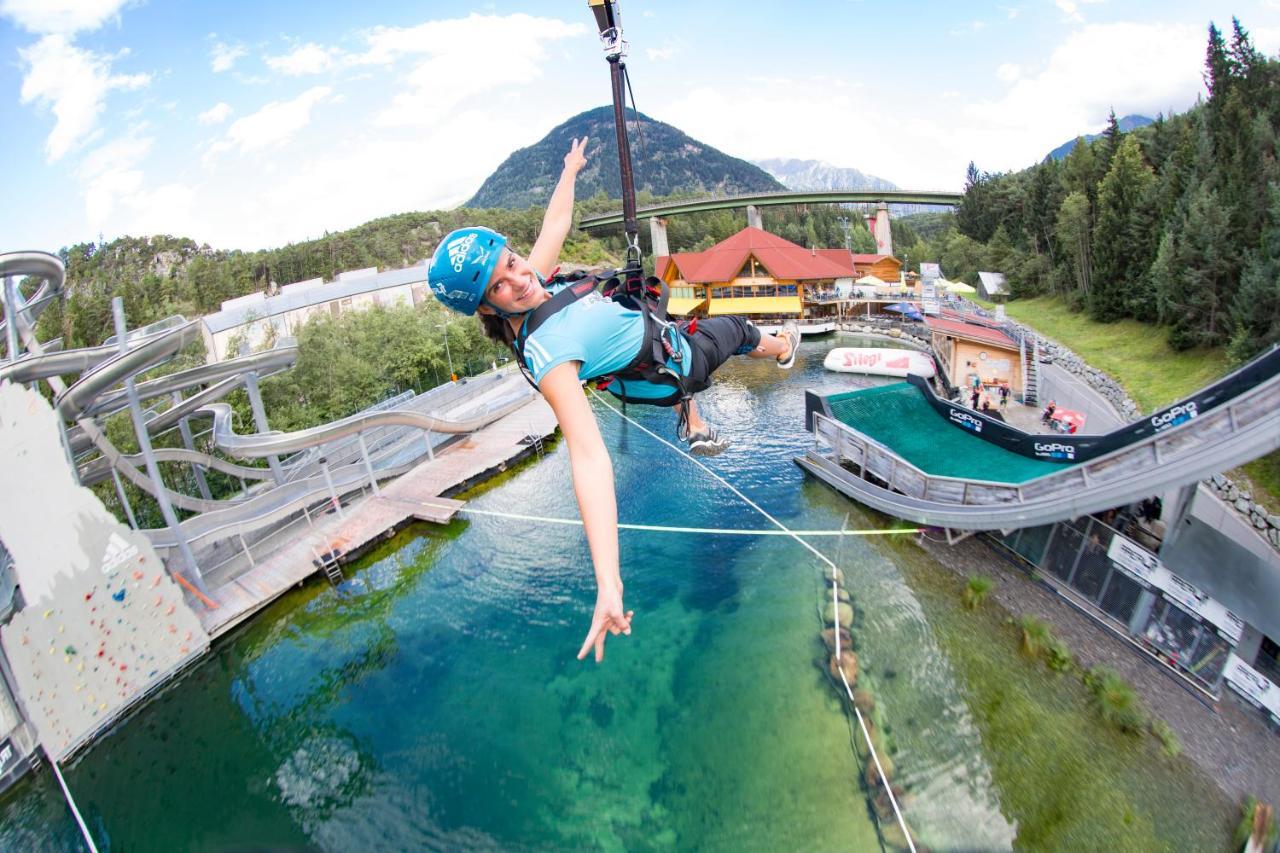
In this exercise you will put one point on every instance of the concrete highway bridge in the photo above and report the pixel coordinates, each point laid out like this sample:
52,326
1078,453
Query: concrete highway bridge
657,214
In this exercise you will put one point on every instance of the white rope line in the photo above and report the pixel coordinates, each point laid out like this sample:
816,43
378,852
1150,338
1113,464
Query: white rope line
660,528
66,792
823,557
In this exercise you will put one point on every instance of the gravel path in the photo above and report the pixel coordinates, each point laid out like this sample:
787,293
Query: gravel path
1230,742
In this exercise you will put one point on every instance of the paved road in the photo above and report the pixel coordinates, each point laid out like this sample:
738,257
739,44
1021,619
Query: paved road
1072,392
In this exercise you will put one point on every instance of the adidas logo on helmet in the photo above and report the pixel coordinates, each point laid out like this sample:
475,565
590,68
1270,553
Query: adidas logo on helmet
458,250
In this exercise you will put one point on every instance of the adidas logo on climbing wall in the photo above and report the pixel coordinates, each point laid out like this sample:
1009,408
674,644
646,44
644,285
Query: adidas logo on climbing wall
458,251
119,552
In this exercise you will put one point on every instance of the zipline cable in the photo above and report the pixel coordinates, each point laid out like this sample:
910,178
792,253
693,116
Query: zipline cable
66,792
862,723
662,528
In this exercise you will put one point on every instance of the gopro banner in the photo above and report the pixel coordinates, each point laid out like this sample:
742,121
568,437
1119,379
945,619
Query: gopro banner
1070,449
1252,685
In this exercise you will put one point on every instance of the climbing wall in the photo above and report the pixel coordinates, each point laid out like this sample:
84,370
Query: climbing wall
103,623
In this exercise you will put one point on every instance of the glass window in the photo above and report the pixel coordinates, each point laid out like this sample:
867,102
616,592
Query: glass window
1091,572
1173,630
1268,660
1209,657
1120,596
1062,554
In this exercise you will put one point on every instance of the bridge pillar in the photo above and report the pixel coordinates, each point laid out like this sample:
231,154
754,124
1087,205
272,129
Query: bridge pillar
753,217
658,237
881,231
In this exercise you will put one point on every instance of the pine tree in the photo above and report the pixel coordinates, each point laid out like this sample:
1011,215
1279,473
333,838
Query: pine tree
1255,310
1122,236
1074,235
1196,300
1110,140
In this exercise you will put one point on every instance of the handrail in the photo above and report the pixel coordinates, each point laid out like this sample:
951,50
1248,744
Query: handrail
1203,445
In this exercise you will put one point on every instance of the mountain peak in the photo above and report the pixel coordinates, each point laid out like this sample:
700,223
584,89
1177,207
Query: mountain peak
666,161
818,175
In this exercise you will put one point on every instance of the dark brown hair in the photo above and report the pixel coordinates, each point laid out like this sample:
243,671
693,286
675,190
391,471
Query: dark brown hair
497,329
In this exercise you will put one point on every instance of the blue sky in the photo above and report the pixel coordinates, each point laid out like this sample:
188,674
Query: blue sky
250,125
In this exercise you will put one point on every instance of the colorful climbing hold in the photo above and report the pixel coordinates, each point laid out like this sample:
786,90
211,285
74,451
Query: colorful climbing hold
118,595
71,650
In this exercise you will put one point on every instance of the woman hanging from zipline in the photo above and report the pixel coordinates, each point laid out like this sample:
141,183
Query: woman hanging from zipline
564,331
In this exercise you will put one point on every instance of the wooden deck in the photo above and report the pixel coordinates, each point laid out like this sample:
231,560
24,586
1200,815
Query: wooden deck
416,495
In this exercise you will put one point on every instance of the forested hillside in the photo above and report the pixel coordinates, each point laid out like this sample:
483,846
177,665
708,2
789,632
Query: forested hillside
1176,223
667,161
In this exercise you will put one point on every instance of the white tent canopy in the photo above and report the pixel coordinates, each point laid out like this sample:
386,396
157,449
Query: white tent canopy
870,279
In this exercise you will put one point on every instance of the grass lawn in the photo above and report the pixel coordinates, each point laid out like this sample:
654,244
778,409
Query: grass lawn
1136,355
1139,357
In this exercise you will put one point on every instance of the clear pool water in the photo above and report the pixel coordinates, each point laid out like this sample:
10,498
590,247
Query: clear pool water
435,703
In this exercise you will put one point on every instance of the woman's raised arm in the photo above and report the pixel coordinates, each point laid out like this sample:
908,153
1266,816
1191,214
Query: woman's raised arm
559,217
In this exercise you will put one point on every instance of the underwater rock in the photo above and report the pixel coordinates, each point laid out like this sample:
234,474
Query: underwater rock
893,837
829,637
844,615
842,594
873,774
864,700
846,663
831,573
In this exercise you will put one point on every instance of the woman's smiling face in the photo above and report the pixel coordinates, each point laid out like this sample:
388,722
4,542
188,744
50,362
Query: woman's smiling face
514,287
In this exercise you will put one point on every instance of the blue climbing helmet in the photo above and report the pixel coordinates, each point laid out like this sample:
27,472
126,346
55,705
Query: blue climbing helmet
460,269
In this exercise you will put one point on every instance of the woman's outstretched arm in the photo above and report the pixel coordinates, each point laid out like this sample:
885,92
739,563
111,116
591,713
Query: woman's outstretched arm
559,217
593,486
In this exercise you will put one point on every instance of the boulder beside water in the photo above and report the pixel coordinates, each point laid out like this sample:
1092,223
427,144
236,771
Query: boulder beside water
829,637
847,664
844,615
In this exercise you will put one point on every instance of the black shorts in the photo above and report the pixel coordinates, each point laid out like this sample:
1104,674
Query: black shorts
715,341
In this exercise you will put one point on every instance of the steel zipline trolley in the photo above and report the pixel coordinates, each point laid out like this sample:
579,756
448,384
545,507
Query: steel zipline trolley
609,20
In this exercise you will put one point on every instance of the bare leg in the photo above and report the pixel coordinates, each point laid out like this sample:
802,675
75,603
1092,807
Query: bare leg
771,346
696,423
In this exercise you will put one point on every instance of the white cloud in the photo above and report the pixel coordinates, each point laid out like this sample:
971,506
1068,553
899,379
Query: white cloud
276,123
1071,8
660,54
307,59
74,84
224,56
454,71
62,17
216,114
117,198
1011,11
109,172
1008,72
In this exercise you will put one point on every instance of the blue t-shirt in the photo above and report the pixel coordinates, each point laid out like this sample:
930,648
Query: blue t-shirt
602,334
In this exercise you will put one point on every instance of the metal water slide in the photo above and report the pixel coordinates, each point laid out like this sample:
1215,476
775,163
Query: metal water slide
106,367
1236,431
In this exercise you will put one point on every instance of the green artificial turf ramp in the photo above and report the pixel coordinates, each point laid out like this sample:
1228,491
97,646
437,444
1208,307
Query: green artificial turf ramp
899,417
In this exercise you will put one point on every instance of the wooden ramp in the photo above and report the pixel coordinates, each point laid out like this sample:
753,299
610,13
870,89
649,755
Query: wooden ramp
416,495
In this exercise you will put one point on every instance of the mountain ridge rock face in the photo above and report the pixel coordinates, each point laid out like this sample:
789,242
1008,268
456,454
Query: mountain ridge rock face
666,160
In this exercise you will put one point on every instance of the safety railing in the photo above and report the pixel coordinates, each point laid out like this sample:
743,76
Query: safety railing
1256,408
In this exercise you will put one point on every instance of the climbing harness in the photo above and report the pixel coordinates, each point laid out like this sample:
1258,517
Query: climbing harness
661,356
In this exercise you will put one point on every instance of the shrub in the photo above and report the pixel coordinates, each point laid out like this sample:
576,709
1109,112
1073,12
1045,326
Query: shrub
1115,701
976,590
1036,636
1058,656
1168,740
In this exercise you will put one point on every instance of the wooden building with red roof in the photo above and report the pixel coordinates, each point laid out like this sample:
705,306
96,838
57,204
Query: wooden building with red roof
965,349
755,274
